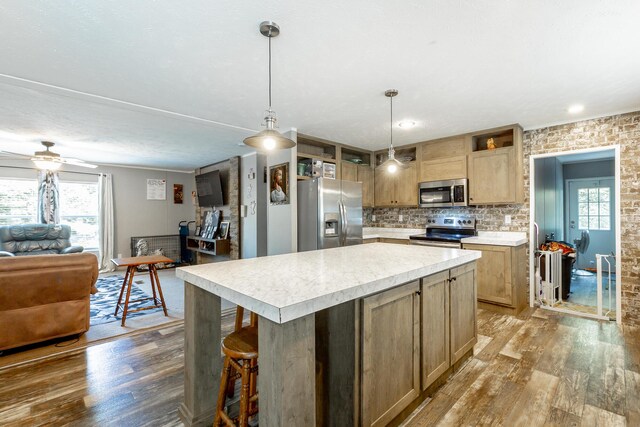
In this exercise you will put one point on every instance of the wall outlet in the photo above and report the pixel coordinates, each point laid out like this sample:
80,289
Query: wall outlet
119,255
507,219
373,217
399,218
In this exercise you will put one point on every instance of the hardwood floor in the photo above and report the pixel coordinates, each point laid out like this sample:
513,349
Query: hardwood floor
536,369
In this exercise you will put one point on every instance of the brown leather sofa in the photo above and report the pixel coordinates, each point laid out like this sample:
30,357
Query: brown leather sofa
44,297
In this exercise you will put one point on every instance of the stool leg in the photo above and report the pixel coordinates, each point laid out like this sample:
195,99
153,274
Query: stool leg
226,371
253,385
231,388
126,301
153,287
155,273
244,394
124,285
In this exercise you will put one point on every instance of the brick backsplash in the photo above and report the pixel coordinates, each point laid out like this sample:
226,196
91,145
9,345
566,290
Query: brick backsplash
623,130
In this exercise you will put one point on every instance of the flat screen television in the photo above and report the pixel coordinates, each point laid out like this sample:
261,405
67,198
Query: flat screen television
209,188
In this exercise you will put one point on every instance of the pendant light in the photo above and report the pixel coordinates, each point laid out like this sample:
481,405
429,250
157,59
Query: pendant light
392,164
269,139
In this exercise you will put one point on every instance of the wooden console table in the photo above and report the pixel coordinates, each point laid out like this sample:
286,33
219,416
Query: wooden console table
132,263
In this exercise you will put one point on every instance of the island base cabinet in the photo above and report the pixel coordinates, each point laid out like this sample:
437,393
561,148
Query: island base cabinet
435,327
390,353
463,307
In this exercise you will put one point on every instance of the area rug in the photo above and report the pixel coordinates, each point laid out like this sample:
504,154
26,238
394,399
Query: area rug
103,304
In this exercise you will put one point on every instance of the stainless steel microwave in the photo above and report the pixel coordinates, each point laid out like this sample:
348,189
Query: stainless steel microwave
442,194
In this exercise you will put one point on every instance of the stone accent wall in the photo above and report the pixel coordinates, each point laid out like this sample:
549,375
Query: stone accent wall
623,130
234,206
230,177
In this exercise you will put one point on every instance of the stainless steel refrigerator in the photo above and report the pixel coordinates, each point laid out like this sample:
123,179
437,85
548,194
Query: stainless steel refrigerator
329,214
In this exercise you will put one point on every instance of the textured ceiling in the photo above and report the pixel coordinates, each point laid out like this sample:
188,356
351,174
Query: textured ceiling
101,78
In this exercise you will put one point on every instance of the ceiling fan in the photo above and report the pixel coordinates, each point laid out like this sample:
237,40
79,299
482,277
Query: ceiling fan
49,160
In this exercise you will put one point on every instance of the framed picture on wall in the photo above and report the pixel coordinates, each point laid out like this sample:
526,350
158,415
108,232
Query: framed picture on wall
279,184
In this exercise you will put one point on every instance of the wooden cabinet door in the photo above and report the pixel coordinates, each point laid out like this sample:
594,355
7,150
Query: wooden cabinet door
349,171
435,327
390,377
407,185
442,169
384,187
494,274
365,176
462,306
492,178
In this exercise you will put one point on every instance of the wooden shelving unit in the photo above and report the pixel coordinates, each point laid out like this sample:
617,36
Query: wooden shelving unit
214,247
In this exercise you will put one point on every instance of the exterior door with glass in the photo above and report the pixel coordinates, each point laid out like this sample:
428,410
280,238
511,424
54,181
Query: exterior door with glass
591,207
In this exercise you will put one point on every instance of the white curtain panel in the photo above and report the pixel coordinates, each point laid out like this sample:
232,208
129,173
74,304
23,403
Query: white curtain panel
106,229
48,197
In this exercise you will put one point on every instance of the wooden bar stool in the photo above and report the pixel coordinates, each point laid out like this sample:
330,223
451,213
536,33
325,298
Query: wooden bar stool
240,349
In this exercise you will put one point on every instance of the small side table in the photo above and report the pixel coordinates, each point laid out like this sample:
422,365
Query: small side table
132,263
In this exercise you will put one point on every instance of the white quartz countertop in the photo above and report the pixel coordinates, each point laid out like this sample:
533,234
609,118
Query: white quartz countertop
285,287
390,233
497,238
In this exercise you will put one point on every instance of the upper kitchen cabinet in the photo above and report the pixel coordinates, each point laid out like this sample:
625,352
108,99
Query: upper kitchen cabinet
444,159
399,188
356,167
495,167
317,158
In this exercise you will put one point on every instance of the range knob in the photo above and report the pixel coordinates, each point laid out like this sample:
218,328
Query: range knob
459,221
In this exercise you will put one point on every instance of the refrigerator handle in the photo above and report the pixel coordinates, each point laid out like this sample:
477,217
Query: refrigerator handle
343,220
345,224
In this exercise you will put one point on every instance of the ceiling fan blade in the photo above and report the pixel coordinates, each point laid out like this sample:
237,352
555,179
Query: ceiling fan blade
3,152
76,162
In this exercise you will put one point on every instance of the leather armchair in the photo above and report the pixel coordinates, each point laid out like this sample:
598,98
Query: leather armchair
36,239
44,297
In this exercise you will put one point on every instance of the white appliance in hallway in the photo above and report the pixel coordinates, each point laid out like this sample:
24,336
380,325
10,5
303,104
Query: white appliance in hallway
329,214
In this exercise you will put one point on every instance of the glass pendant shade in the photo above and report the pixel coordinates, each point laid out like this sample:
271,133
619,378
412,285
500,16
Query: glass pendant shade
392,164
45,164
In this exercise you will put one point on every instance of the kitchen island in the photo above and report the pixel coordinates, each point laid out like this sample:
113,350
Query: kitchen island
345,300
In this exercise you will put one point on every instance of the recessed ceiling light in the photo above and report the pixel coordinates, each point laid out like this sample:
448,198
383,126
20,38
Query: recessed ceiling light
575,109
406,124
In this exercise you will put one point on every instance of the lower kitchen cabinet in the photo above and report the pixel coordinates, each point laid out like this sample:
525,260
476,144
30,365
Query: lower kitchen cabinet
390,353
502,281
462,309
412,336
435,332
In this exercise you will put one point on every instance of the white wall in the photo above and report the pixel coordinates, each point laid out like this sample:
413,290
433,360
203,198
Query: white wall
134,214
282,228
254,189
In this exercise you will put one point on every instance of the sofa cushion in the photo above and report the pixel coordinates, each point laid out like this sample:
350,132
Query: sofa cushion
51,238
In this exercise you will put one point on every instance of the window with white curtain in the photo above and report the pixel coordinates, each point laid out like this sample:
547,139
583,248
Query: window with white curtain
78,207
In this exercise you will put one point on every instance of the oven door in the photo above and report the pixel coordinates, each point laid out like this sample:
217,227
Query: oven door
435,196
437,244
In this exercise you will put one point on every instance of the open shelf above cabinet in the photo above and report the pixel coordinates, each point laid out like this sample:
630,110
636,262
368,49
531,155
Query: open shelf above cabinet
500,139
404,155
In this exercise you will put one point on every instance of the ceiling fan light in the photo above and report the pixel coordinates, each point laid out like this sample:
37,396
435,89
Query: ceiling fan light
44,164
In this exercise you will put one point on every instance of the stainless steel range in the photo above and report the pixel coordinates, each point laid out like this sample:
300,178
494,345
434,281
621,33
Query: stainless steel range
446,232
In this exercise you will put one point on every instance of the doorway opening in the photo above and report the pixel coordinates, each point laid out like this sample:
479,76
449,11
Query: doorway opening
575,232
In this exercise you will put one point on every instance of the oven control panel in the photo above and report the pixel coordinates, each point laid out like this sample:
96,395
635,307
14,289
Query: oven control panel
451,222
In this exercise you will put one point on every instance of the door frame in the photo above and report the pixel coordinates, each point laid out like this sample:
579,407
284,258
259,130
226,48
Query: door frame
532,204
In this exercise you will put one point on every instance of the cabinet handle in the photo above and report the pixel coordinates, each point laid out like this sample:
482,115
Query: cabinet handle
418,292
453,279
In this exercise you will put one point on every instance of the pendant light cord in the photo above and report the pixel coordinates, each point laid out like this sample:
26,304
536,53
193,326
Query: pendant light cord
391,120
